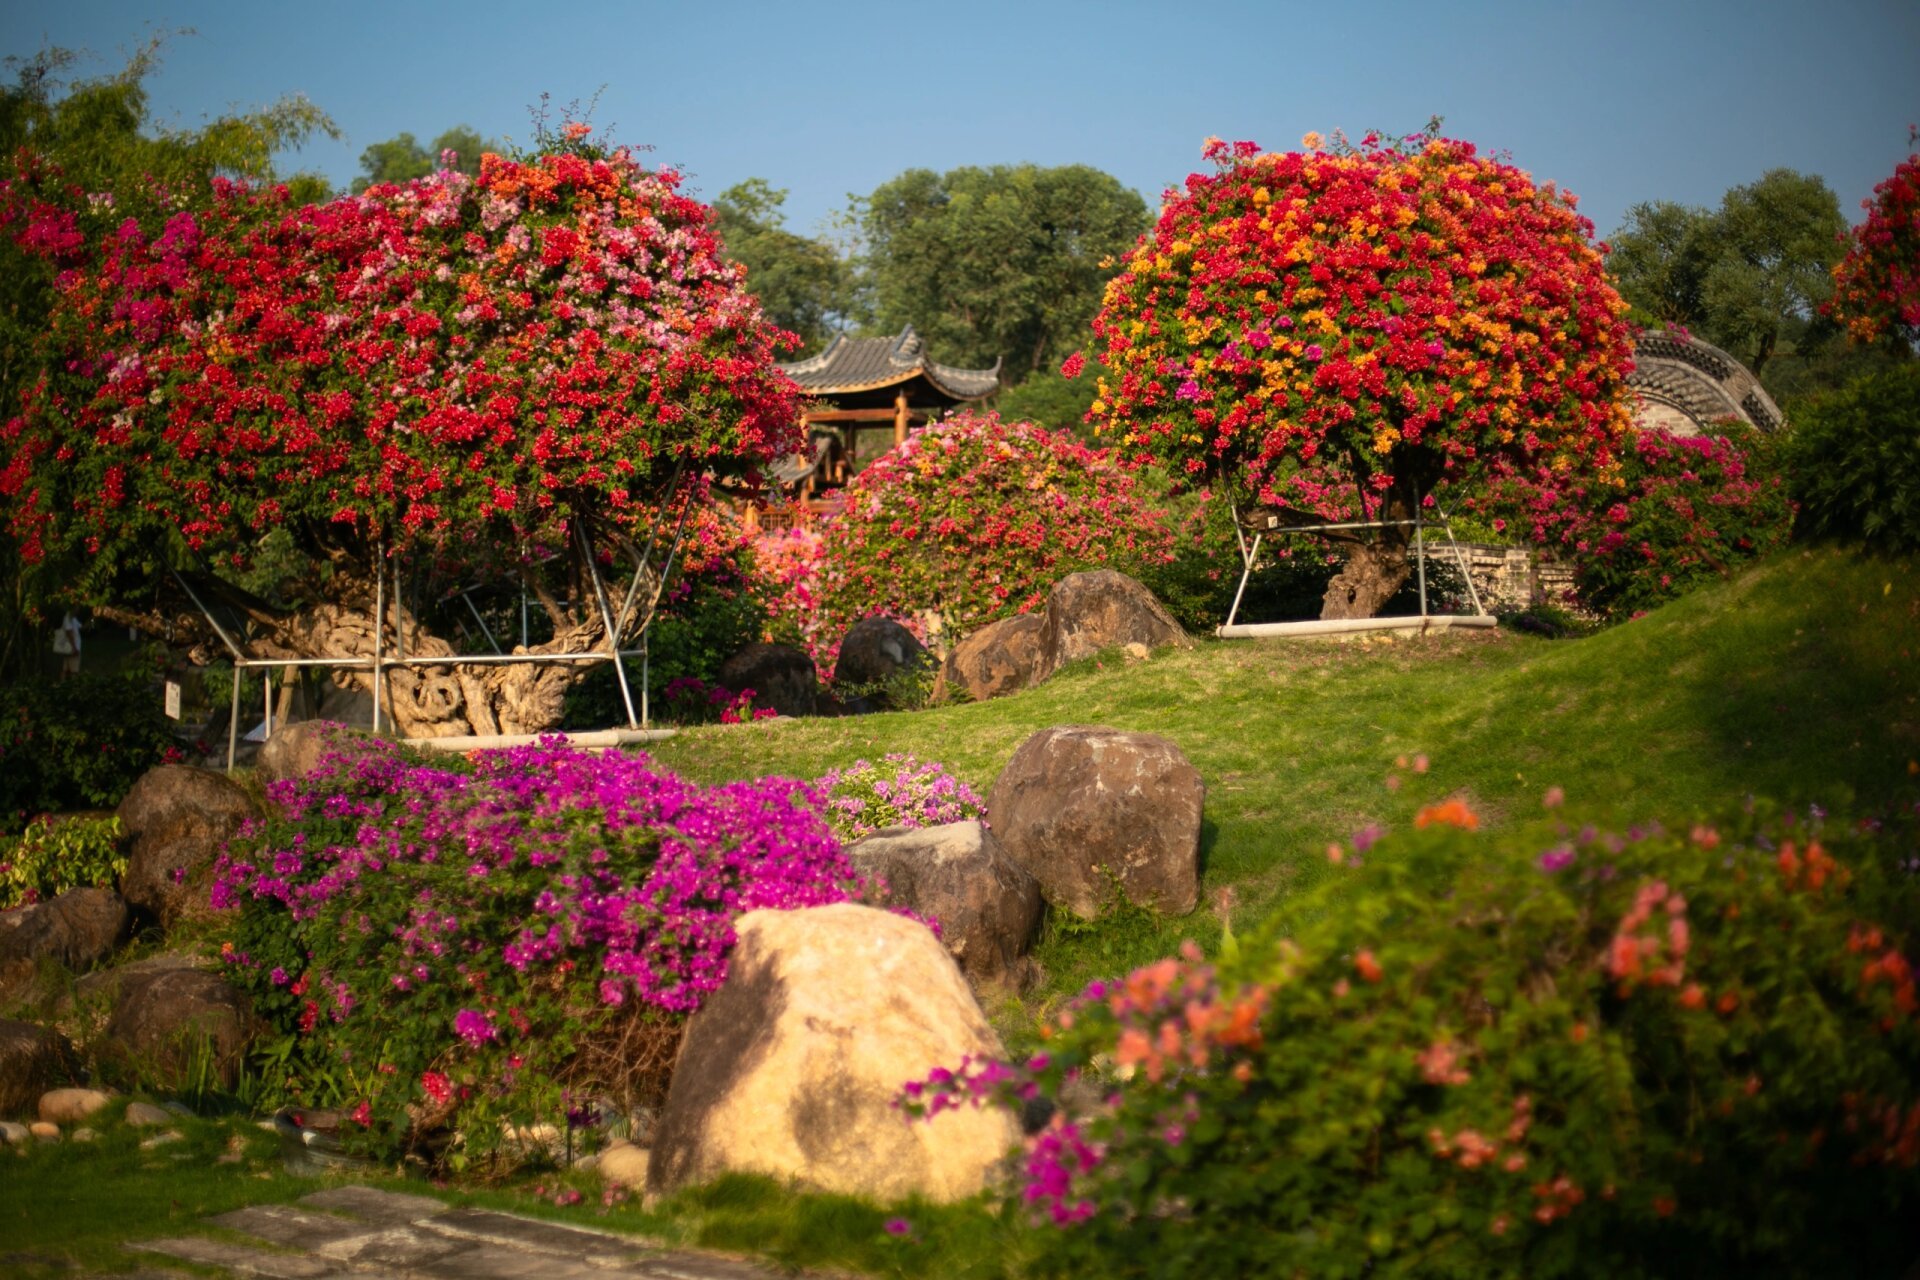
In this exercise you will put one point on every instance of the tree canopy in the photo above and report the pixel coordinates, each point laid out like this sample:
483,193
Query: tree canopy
1749,276
803,283
1334,333
1002,263
86,152
453,362
401,158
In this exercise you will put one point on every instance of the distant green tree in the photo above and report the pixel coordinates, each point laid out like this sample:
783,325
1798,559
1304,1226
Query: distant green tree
84,149
1748,276
804,284
1004,263
401,158
1051,399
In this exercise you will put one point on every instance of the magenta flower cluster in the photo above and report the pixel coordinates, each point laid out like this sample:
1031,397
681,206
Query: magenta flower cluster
900,791
469,919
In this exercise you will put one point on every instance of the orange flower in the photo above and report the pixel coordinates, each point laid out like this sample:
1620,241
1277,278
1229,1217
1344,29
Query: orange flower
1450,813
1368,968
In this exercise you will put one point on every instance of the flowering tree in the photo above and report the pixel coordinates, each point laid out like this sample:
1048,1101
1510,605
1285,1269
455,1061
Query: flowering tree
976,519
1336,333
477,371
1877,285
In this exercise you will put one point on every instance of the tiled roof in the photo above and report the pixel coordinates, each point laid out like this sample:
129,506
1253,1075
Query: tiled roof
863,364
1699,380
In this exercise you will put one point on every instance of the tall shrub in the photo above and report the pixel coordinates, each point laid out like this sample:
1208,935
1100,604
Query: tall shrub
1855,461
975,519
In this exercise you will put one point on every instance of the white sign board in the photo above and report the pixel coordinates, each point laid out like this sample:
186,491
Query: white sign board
173,700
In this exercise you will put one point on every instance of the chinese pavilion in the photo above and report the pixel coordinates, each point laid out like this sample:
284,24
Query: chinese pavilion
864,384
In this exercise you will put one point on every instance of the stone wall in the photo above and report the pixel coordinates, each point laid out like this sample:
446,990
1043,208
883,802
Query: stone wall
1505,577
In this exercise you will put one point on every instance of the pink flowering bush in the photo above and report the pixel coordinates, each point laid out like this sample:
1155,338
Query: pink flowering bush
976,519
899,791
445,946
1555,1052
1684,511
788,564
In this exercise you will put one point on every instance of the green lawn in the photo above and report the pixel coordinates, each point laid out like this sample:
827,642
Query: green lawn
1796,681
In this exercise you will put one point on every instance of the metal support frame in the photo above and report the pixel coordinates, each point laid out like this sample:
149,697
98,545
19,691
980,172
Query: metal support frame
1250,553
381,662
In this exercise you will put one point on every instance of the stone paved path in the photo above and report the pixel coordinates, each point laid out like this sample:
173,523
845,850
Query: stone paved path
363,1233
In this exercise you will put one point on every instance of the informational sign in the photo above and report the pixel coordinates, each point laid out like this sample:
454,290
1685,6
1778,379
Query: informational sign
173,700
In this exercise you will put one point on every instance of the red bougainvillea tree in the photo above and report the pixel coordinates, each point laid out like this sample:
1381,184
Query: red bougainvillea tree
1877,285
474,371
1335,333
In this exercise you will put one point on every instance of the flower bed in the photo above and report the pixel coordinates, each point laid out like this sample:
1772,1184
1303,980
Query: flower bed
1569,1052
501,941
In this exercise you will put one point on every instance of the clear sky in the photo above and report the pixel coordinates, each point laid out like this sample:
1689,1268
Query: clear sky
1621,102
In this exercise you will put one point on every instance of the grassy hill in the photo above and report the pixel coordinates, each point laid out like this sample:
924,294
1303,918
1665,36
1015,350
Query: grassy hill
1797,681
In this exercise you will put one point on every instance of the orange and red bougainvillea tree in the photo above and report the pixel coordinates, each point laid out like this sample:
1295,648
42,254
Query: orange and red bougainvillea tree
1334,334
473,369
1877,285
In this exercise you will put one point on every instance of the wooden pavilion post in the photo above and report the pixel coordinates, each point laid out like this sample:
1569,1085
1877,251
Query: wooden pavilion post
900,416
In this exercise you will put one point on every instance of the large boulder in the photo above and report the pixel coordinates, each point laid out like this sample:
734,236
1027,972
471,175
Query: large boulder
177,819
1102,609
296,750
166,1022
781,677
1092,812
792,1068
874,651
987,905
78,929
1000,658
32,1060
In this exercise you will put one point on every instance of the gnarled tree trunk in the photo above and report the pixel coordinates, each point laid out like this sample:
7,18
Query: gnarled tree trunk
449,701
1373,572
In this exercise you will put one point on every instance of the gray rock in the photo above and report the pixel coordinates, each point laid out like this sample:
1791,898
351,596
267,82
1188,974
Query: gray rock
1103,609
78,929
1092,812
141,1115
177,819
988,906
84,1134
781,677
13,1134
33,1059
876,650
1000,658
296,750
163,1019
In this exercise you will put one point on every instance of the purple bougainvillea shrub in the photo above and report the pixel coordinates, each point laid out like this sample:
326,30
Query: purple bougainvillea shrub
453,947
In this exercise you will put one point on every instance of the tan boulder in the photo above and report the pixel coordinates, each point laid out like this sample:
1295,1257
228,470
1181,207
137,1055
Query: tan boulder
177,819
793,1067
296,750
70,1106
624,1164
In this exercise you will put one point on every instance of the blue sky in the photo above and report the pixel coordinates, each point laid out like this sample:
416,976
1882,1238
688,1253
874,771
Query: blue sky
1619,103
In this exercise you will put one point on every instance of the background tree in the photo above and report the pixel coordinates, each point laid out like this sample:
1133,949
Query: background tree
804,285
1004,263
401,158
88,150
1750,276
1337,334
492,374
